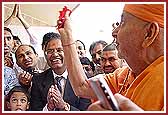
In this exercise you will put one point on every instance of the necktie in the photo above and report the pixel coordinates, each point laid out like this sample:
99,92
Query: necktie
58,83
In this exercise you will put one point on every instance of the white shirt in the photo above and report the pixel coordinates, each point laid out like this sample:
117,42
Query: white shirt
63,81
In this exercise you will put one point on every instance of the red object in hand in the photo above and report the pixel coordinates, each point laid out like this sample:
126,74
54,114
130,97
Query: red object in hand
62,16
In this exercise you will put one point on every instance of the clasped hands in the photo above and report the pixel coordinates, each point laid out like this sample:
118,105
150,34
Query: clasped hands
55,99
25,78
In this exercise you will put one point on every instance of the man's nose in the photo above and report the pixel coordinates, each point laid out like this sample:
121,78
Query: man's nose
107,63
55,53
5,41
98,56
26,56
18,103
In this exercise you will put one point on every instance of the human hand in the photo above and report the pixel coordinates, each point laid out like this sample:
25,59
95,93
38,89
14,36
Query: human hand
124,104
96,106
66,32
56,97
50,102
25,78
8,61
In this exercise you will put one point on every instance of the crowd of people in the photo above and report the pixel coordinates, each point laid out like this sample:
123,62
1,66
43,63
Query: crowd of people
132,65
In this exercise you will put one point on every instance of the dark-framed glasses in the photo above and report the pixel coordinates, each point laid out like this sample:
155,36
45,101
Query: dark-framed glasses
110,59
52,51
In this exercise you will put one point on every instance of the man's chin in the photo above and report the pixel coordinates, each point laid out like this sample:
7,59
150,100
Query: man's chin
107,72
57,66
29,67
18,109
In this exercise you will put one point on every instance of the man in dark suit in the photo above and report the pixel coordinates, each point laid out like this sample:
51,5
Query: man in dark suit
44,93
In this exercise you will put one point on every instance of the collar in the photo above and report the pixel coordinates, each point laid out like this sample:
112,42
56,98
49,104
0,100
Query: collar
65,74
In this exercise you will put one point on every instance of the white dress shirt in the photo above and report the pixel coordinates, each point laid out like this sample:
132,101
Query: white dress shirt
63,81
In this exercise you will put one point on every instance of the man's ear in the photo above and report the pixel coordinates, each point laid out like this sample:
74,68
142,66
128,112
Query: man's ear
28,105
36,55
152,33
8,105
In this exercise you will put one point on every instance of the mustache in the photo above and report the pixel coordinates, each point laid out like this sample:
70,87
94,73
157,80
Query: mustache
109,66
59,57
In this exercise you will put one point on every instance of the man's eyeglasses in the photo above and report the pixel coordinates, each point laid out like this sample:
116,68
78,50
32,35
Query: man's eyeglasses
51,51
110,59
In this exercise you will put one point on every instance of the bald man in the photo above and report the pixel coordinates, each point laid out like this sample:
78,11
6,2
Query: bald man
142,27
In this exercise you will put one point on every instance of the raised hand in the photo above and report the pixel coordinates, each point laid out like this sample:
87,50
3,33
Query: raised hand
8,61
25,78
66,32
62,17
124,104
55,99
96,106
50,102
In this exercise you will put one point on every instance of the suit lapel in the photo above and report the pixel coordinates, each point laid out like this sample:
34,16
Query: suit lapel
48,80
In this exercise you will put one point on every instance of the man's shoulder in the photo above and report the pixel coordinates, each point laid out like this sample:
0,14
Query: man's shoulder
43,75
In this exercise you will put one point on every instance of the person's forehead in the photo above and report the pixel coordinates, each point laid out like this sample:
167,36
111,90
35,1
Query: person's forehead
54,43
97,47
7,33
110,53
79,43
127,16
24,49
18,94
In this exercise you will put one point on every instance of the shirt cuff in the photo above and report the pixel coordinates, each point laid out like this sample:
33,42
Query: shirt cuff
45,108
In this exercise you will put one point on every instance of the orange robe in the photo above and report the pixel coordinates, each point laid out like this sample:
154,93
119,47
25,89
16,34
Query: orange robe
116,80
147,91
120,79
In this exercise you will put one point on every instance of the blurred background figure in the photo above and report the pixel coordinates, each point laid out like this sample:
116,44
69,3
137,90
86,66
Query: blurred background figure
88,66
95,50
81,49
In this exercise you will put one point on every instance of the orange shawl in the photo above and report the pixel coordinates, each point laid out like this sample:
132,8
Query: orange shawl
119,80
147,91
